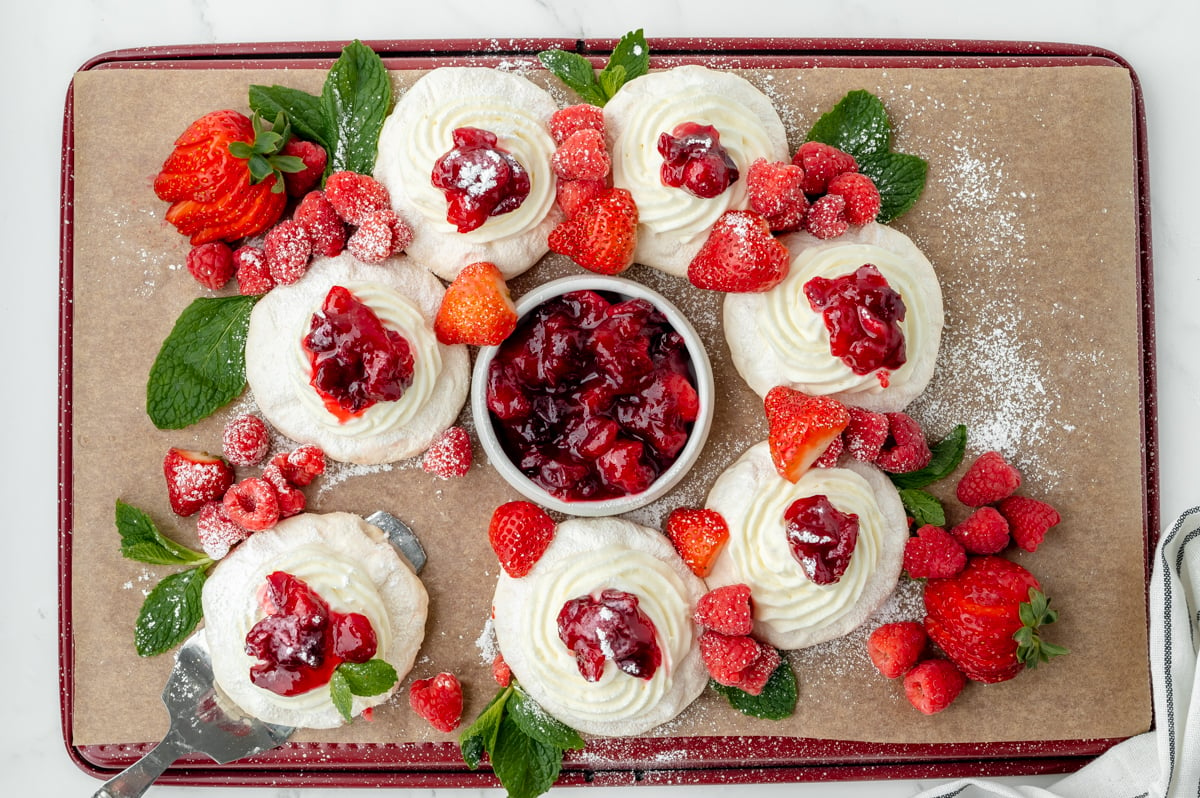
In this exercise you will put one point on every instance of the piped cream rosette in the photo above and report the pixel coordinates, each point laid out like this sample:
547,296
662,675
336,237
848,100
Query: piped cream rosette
279,370
790,611
419,131
776,338
352,566
586,557
673,224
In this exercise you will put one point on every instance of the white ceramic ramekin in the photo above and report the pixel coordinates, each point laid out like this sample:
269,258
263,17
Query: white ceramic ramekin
703,375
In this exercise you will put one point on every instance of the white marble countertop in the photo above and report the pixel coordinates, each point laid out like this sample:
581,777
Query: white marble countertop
47,40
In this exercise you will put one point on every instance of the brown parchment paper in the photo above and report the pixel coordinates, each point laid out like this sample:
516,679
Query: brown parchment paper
1029,219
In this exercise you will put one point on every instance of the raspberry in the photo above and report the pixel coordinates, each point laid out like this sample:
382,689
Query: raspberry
211,264
325,228
374,239
301,465
253,276
983,532
906,448
217,532
449,455
895,648
727,656
292,500
572,195
566,121
402,236
933,685
246,440
726,610
253,504
988,480
438,700
1028,520
833,453
826,217
581,156
866,434
287,249
776,190
755,677
355,196
297,184
821,163
861,195
934,553
501,673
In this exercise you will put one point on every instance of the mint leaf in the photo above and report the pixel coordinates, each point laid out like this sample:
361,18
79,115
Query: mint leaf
859,125
480,737
525,766
777,700
629,59
576,72
372,677
305,112
202,363
170,612
947,454
141,540
900,179
537,723
341,695
357,96
923,507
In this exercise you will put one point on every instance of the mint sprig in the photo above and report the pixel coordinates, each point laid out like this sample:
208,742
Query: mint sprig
172,609
524,744
919,503
629,59
859,125
368,678
346,117
201,365
776,701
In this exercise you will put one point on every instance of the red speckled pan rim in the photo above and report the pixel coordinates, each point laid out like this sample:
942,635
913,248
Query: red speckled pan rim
698,760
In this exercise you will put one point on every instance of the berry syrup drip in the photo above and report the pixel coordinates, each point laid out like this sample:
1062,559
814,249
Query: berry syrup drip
593,397
301,641
479,179
694,160
609,627
821,537
862,314
356,361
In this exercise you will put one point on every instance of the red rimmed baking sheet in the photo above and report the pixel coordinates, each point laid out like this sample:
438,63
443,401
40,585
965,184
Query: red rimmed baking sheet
690,758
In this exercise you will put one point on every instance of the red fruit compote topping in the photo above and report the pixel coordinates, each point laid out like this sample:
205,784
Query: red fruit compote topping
302,641
592,396
694,160
609,627
479,179
862,314
356,360
821,537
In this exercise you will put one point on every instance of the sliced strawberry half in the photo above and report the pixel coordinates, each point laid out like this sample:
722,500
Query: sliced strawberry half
698,536
476,308
601,237
194,479
801,428
739,256
520,532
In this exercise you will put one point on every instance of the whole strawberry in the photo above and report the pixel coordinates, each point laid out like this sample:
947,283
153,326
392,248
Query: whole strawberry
224,177
988,619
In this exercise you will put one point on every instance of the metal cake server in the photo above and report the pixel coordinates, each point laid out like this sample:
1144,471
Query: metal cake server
202,721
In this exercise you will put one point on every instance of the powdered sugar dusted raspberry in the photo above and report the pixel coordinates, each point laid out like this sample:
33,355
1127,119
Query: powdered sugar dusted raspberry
373,241
287,249
217,532
325,228
253,276
246,440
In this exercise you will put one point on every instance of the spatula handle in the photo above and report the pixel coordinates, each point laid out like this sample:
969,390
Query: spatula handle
137,778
